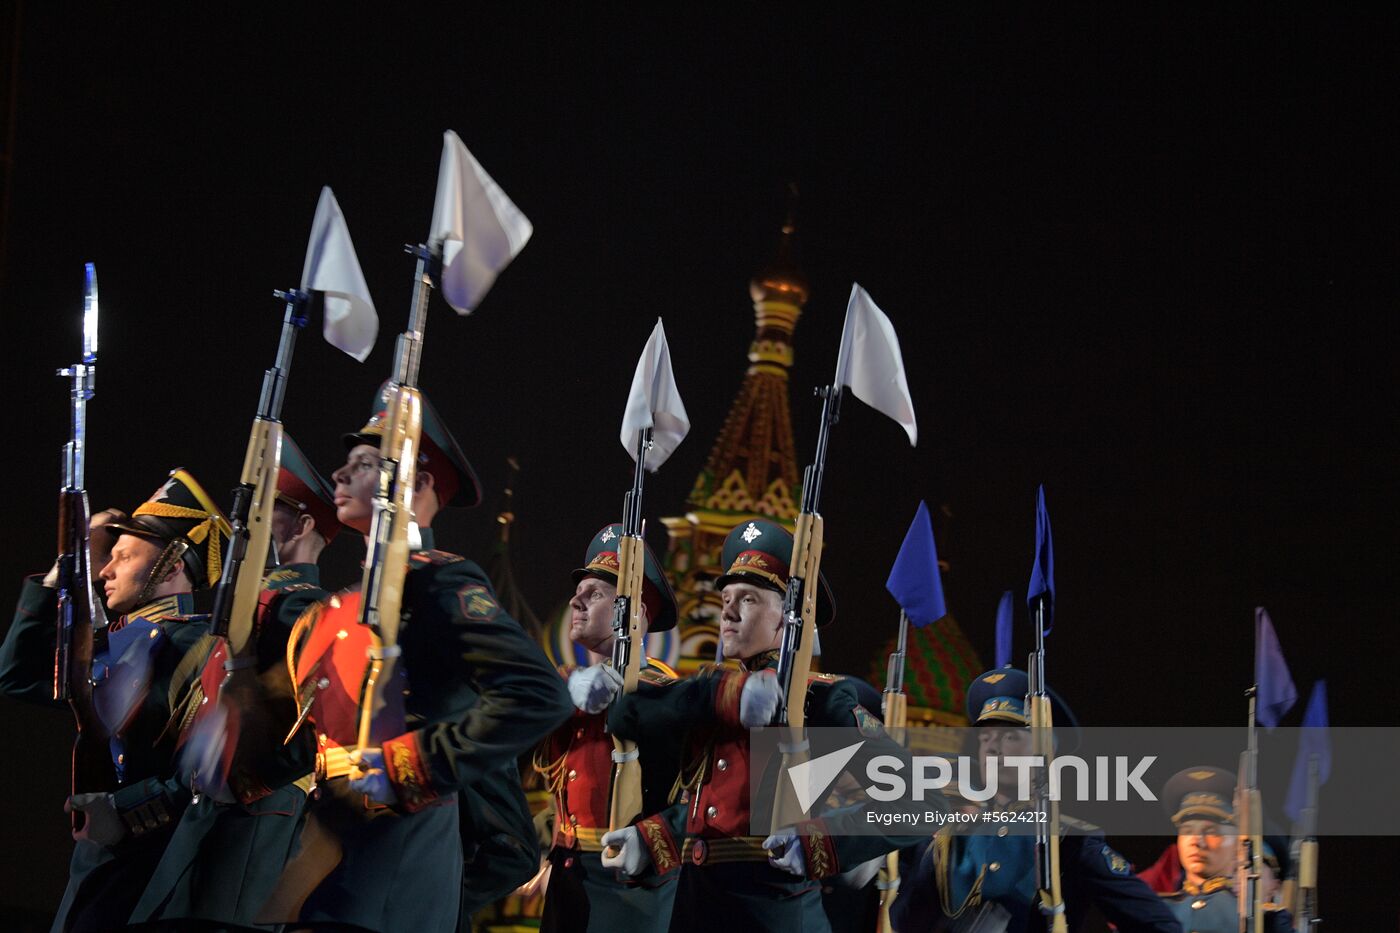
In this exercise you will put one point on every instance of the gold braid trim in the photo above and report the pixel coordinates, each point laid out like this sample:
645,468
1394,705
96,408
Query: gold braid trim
209,521
942,846
660,844
698,769
553,772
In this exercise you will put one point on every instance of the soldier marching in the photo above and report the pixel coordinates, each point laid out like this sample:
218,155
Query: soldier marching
309,758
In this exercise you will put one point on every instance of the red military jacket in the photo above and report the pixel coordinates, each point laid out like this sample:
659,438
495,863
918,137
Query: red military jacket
576,763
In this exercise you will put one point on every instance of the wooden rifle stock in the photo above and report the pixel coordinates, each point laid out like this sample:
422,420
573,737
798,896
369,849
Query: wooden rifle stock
795,661
251,538
625,804
894,708
1043,747
386,564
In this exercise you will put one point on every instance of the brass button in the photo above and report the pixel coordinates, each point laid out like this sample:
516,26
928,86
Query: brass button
722,765
1198,904
578,734
573,775
995,866
323,683
712,812
1003,831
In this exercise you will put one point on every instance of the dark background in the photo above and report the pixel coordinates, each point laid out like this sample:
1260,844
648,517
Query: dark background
1148,260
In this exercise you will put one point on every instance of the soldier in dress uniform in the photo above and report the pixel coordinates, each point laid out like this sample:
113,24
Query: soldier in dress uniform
169,547
232,842
577,766
966,880
382,848
728,879
1200,802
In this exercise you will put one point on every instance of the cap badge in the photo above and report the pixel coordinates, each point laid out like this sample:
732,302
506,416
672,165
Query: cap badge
750,533
1201,775
607,536
993,678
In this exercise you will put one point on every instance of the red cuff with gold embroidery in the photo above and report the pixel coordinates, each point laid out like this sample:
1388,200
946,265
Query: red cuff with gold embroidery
408,772
727,693
656,836
819,849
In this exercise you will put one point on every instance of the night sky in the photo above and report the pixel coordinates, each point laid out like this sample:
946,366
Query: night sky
1149,262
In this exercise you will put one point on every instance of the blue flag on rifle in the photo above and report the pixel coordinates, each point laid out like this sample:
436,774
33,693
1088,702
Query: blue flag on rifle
1004,629
914,580
1043,571
1276,693
1312,740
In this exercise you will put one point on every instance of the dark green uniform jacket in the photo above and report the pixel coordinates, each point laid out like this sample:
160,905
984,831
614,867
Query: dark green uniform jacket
226,855
477,693
726,881
138,678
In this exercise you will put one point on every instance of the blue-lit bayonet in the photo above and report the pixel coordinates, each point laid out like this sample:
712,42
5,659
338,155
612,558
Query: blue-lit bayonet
75,596
79,611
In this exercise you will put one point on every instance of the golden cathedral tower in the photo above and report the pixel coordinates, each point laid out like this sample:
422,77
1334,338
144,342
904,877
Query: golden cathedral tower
751,471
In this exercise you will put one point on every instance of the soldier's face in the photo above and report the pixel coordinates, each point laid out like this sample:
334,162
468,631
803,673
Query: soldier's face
1206,848
124,576
354,487
750,621
591,614
1001,742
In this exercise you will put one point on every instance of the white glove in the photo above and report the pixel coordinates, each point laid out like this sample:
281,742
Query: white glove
785,852
101,824
593,688
632,857
759,699
372,780
862,874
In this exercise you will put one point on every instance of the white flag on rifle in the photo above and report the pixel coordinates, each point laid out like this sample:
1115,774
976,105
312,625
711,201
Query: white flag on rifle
870,362
655,402
333,268
477,227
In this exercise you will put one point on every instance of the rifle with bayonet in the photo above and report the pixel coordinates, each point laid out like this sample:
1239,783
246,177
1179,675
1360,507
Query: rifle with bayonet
1249,818
653,424
1305,907
1047,833
895,709
800,614
386,562
250,517
625,804
79,611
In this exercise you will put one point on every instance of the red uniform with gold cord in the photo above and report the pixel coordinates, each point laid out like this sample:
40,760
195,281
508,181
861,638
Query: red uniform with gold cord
576,762
473,692
726,880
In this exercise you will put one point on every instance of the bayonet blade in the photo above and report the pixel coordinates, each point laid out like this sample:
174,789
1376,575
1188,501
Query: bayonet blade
90,315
